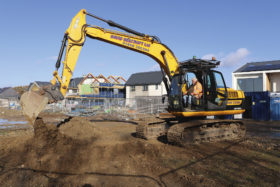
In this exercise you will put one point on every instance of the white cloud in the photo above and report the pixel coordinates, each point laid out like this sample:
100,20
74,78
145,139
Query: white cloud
52,57
48,59
235,58
232,59
154,68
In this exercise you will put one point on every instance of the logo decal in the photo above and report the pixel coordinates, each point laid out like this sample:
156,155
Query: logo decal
77,21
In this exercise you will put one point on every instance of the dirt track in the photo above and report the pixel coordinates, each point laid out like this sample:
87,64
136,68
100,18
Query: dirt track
85,151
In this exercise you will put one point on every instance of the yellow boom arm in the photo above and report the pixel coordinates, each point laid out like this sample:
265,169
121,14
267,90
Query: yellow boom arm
75,37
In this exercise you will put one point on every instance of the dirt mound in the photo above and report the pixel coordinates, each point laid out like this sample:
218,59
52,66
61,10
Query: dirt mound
69,155
51,150
79,128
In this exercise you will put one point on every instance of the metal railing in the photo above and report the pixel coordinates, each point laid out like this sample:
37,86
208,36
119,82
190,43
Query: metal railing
122,108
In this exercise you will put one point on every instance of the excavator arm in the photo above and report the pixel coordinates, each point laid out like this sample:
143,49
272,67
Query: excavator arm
34,102
77,32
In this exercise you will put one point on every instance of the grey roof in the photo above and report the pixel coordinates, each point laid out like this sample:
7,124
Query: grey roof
39,83
144,78
259,66
42,83
9,93
3,89
75,81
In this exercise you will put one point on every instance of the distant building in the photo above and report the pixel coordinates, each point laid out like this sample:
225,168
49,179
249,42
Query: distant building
9,93
145,84
3,89
9,98
144,92
36,85
258,76
102,87
73,88
90,86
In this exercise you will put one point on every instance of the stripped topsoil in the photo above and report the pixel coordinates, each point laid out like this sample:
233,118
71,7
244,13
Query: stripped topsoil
83,151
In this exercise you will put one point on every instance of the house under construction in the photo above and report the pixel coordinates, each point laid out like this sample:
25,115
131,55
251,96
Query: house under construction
102,87
90,90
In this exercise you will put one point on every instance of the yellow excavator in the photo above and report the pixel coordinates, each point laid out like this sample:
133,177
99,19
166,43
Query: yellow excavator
188,121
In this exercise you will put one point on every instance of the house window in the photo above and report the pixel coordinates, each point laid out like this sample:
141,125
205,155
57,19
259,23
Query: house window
132,88
145,87
250,84
156,86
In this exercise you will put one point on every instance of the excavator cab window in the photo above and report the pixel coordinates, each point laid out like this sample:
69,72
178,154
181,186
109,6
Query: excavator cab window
175,94
219,80
216,93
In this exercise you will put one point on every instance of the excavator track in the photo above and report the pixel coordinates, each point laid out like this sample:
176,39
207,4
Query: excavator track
205,131
151,130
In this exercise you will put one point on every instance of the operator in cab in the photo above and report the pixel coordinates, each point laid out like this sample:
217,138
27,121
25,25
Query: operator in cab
197,88
195,91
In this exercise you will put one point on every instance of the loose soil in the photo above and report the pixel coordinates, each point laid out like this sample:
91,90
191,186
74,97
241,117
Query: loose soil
89,151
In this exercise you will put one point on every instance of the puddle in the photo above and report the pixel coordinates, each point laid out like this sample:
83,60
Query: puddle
7,126
7,122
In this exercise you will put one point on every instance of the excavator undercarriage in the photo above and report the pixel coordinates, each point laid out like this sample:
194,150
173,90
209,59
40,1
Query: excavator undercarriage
191,131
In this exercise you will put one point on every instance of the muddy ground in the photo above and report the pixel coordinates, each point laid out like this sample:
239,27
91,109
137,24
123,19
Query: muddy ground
88,151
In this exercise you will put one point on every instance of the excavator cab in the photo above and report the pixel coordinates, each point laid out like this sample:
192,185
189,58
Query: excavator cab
214,95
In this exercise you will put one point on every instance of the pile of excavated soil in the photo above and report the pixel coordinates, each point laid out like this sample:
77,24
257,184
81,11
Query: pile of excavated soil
68,155
71,155
79,128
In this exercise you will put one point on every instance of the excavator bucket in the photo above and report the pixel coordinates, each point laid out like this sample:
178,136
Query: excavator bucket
32,104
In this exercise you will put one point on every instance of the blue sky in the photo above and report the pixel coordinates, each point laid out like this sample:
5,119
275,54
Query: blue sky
235,31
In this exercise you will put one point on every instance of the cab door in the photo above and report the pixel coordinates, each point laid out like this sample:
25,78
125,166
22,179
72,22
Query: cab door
216,92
